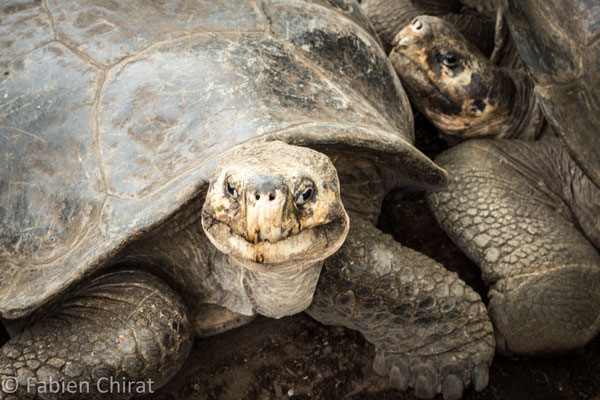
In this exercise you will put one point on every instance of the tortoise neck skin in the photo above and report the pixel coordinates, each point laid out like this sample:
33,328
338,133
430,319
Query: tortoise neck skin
526,120
274,294
362,186
459,89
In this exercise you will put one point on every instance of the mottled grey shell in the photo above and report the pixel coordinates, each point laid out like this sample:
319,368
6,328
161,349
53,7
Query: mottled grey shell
559,42
113,113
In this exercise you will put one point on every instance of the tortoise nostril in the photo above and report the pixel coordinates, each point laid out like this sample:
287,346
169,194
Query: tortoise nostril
267,187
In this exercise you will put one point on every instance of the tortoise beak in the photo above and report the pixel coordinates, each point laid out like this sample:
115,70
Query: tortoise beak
266,206
402,39
417,30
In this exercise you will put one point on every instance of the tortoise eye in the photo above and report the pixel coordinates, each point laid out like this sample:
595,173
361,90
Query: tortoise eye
449,60
231,190
305,196
477,107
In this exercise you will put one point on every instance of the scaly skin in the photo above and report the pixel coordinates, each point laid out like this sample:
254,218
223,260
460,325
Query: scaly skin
125,324
508,207
431,331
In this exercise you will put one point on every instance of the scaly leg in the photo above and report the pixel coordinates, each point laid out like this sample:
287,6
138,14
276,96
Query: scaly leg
125,326
431,331
518,209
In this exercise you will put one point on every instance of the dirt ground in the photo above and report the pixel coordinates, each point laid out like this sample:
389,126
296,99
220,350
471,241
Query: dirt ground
298,358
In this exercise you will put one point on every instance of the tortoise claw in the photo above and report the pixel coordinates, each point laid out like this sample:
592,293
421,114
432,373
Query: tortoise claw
424,387
428,376
398,378
452,388
481,376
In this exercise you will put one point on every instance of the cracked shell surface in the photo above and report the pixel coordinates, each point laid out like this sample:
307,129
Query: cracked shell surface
559,42
114,114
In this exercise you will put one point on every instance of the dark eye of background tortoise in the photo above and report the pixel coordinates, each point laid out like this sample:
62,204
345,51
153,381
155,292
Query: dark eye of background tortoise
478,105
449,60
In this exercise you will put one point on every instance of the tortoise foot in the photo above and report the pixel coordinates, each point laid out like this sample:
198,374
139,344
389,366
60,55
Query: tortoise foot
546,312
448,373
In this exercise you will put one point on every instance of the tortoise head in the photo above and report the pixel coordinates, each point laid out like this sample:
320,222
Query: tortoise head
450,80
275,210
270,205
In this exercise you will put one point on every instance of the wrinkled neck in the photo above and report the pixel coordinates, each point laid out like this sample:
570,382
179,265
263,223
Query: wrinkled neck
361,187
516,112
274,294
526,119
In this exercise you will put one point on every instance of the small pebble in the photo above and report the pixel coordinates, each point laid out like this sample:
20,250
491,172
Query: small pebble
290,392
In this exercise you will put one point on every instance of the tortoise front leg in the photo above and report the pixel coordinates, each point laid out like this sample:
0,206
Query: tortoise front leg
431,331
518,209
126,326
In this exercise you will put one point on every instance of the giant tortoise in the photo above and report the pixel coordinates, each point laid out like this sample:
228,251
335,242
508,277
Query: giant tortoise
169,169
524,210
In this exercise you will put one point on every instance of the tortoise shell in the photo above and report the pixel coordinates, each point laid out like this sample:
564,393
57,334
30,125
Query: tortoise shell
114,114
559,42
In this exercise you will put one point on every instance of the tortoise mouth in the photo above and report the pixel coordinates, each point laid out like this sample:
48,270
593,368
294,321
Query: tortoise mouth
421,88
412,74
295,251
